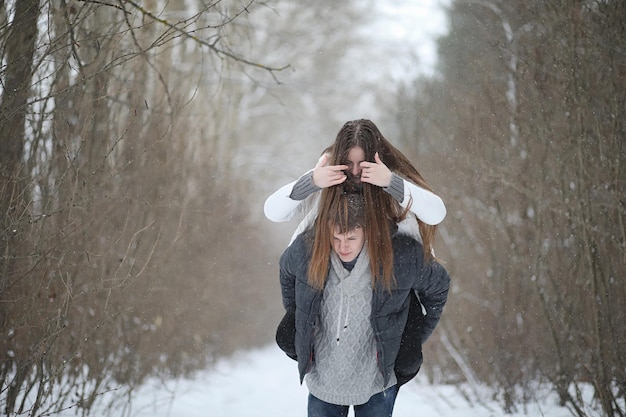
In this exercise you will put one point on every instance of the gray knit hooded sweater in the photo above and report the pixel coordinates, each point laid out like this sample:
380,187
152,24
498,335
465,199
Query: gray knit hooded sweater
346,370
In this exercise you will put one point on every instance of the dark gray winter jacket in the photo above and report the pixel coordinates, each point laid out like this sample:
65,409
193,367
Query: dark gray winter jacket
389,309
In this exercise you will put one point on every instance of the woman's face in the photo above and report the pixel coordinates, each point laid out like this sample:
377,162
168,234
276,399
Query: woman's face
348,245
356,155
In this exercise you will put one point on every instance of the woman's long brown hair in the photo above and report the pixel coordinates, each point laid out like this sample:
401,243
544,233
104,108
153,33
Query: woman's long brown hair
382,212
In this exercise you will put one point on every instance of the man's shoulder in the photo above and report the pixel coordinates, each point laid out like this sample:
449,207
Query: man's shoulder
300,247
406,247
401,240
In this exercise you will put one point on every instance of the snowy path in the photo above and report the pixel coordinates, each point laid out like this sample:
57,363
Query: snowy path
264,383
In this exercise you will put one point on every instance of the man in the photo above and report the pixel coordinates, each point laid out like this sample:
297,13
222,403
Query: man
348,327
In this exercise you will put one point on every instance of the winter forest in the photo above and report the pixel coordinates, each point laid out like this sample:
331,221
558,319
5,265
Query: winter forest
139,139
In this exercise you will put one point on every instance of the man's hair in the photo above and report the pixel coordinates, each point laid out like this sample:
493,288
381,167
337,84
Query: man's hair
345,211
350,213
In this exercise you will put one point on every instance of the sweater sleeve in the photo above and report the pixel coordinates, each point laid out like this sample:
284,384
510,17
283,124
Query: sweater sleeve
396,188
426,205
304,187
282,205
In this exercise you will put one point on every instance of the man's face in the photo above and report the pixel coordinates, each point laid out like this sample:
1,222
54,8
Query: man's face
348,245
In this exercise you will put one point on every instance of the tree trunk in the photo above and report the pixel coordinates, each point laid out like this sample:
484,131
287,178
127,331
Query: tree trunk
20,49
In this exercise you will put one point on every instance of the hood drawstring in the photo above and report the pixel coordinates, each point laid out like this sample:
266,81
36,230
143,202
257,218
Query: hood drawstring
345,323
345,294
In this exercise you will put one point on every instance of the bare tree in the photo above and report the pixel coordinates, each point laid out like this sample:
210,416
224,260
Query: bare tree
104,234
529,115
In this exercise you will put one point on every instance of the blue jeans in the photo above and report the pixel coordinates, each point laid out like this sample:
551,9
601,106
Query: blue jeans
380,405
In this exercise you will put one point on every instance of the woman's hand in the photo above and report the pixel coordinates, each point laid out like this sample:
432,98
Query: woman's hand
375,173
327,176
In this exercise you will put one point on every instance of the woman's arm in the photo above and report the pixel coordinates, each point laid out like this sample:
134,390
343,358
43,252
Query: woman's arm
280,207
283,204
426,205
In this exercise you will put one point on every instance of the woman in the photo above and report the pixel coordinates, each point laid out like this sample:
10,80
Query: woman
361,155
346,324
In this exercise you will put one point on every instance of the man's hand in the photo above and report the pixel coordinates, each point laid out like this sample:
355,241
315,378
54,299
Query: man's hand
375,173
327,176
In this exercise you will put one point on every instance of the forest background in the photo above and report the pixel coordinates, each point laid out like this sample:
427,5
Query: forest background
138,141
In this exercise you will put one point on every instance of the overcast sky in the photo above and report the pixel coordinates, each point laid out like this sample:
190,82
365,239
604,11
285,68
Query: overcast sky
414,26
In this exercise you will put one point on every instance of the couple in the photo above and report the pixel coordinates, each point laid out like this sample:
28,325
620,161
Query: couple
360,285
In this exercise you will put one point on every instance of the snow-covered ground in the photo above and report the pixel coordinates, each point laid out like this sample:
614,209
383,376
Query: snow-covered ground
264,383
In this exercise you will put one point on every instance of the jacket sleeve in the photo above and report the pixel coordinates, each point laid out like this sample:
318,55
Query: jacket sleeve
286,330
432,290
287,278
